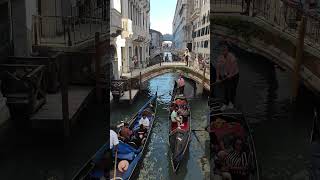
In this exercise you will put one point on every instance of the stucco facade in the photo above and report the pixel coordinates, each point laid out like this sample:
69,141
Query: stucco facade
156,39
135,25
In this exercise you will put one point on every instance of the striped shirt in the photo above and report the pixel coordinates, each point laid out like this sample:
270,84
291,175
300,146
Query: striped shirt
237,160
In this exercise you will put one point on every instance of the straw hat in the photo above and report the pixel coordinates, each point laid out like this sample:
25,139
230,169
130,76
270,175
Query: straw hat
123,165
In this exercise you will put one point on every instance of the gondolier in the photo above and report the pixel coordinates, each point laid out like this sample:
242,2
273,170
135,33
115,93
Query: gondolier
228,71
181,84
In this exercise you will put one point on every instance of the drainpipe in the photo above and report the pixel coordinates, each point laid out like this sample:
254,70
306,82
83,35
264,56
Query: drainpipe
299,56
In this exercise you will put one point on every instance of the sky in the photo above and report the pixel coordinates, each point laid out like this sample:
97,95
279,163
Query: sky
161,15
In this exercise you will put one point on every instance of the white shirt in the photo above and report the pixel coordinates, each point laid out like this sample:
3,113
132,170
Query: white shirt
113,139
174,116
144,121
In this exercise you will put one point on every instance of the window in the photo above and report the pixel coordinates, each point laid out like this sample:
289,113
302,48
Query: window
117,5
206,44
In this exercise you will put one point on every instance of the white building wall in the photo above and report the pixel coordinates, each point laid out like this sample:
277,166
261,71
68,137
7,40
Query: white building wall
136,12
199,42
180,25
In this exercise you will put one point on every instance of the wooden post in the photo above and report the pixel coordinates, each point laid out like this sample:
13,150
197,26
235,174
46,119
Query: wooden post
97,67
140,80
64,94
204,77
299,56
130,87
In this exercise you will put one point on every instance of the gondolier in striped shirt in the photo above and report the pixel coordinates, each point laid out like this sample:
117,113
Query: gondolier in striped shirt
228,71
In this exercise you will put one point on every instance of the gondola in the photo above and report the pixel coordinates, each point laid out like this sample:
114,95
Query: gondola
91,170
227,126
179,137
314,171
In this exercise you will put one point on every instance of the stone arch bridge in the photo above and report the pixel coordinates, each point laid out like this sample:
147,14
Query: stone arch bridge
200,76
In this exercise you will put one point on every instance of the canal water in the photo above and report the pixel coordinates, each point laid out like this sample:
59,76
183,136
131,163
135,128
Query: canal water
156,164
281,131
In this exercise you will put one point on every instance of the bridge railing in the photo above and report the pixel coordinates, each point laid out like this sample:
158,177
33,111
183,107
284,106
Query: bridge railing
284,15
194,66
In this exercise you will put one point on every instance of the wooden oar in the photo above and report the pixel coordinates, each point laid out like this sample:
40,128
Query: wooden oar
115,165
199,130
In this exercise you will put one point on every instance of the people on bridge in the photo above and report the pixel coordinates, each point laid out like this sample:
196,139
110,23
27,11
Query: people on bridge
181,84
187,56
144,120
228,71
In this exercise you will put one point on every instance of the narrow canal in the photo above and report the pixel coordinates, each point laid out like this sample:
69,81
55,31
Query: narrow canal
281,131
156,164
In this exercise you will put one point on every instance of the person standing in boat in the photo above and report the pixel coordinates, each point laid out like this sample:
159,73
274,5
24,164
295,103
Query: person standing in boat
228,71
181,84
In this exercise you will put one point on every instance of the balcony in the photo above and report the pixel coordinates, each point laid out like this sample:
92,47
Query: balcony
195,14
127,28
139,34
115,22
64,32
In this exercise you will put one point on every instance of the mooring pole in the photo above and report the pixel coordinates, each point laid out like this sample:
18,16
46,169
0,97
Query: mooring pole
204,77
65,95
299,57
140,81
97,67
130,87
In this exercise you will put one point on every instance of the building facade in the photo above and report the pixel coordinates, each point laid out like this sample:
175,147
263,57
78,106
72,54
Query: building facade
181,26
135,34
156,39
200,20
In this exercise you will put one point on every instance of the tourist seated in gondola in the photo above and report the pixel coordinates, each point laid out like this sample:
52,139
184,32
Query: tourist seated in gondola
125,133
237,161
173,106
144,120
184,112
141,134
175,118
221,167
